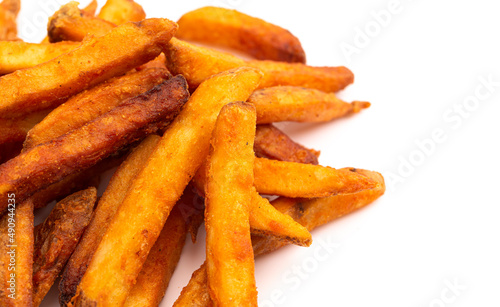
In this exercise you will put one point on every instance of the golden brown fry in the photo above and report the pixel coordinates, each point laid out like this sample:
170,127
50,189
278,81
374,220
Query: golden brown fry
159,62
198,63
272,143
298,104
19,55
98,59
81,148
121,11
229,28
104,212
195,293
15,129
71,24
230,261
56,238
153,280
110,276
92,103
16,276
13,6
91,8
8,14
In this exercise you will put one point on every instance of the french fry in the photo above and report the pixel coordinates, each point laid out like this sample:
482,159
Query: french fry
272,143
92,103
298,104
8,14
98,59
195,293
153,280
157,188
91,8
81,148
15,129
104,212
56,238
230,260
121,11
230,28
16,254
69,23
16,55
198,63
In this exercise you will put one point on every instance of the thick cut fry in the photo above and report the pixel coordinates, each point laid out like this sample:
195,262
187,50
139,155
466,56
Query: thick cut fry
92,103
104,212
121,11
230,28
230,261
81,148
8,14
48,84
272,143
157,188
71,24
56,238
20,55
16,258
15,129
198,63
298,104
158,268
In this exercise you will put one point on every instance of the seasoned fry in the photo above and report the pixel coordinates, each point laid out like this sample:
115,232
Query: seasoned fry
121,11
98,59
198,63
81,148
272,143
17,55
56,238
152,281
195,293
104,212
110,276
71,24
8,14
15,129
230,28
291,103
230,261
92,103
16,287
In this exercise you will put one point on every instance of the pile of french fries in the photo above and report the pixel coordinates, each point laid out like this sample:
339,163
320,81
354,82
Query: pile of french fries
190,130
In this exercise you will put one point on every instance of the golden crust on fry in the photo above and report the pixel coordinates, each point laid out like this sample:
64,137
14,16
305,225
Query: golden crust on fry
195,293
230,28
121,11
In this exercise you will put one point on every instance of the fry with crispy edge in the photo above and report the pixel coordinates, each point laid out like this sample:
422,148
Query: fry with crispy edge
229,28
230,260
48,84
198,63
106,208
17,55
157,188
81,148
298,104
121,11
92,103
8,14
309,212
16,245
57,237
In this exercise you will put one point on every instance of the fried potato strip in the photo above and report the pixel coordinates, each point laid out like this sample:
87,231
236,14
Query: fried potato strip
121,11
8,14
15,129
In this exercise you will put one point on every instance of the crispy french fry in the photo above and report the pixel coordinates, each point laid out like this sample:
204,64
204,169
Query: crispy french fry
230,28
121,11
17,55
104,212
56,238
81,148
13,6
152,281
230,260
272,143
92,103
195,293
15,129
198,63
298,104
16,254
8,14
98,59
109,277
69,23
91,8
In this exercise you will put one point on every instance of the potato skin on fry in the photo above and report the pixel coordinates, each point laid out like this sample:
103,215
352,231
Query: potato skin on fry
98,59
121,11
230,28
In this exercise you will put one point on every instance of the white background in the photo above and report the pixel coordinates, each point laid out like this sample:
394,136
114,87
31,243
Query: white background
438,224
